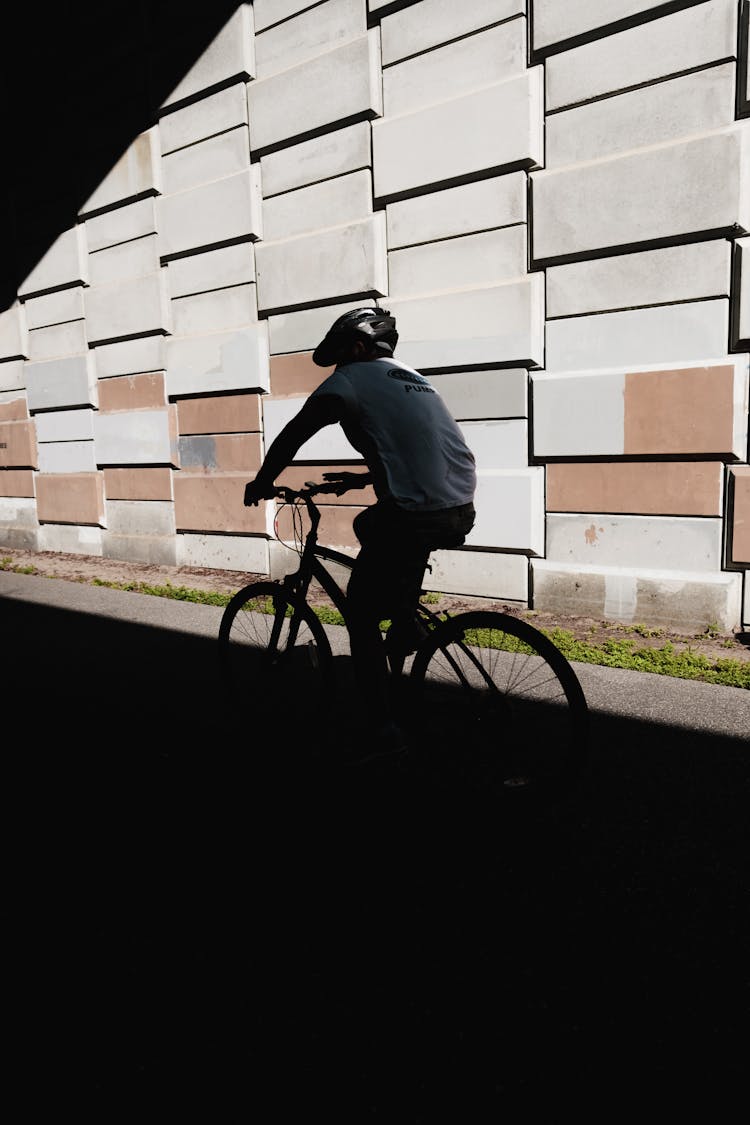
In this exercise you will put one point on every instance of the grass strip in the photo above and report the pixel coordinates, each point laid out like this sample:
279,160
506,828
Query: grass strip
663,661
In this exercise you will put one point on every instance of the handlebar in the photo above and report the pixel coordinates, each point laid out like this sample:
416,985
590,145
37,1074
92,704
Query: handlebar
336,484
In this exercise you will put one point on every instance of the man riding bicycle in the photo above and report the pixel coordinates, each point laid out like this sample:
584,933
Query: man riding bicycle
424,478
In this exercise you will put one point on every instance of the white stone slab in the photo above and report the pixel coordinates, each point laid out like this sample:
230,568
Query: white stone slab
698,35
681,599
126,259
54,308
17,511
484,574
496,202
136,172
510,511
269,12
455,69
579,415
746,602
484,394
70,539
656,114
333,154
329,444
140,517
133,220
302,330
231,53
65,263
221,361
555,22
502,324
663,542
664,334
332,87
129,357
308,34
343,199
135,437
14,336
433,22
212,213
214,269
214,312
659,193
67,457
223,552
458,263
61,383
214,114
498,444
212,159
58,340
335,262
741,295
133,307
12,377
154,550
650,277
65,425
498,126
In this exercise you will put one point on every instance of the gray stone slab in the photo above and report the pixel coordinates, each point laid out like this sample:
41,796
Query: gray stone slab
213,269
555,22
58,383
639,542
133,307
135,437
65,425
211,213
212,159
495,202
219,361
230,53
14,336
430,23
484,394
133,220
126,259
343,199
65,263
129,357
333,154
58,340
655,114
216,113
494,127
701,34
137,171
67,457
458,263
54,308
217,311
651,277
309,33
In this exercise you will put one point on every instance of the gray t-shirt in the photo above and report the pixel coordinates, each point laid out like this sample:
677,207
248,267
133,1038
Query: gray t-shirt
409,440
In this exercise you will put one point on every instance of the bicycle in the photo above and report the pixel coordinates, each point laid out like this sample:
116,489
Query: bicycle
482,680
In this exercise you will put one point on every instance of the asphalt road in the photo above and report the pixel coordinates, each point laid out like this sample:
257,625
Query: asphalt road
205,911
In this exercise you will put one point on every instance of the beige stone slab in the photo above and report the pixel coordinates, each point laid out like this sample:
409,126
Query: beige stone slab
14,410
133,392
335,529
689,410
680,488
215,503
740,551
18,448
17,482
223,453
296,374
297,476
138,484
217,414
71,498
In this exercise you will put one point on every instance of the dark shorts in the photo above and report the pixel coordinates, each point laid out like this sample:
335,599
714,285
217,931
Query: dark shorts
396,545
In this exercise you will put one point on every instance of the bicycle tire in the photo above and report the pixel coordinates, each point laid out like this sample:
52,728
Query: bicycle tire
255,651
499,692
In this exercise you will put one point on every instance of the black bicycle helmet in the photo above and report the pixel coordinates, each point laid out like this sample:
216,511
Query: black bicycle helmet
374,326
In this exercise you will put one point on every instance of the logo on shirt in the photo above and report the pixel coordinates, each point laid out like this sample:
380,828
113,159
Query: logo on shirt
411,383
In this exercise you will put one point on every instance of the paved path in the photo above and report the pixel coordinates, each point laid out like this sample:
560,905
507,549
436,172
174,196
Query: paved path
200,901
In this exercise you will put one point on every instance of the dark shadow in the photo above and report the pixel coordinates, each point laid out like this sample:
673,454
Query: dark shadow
206,909
79,82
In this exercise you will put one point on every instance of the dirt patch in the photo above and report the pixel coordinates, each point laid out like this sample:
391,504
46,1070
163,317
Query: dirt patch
86,568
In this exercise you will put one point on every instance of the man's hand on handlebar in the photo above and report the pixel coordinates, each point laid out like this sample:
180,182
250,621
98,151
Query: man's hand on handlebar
257,490
348,480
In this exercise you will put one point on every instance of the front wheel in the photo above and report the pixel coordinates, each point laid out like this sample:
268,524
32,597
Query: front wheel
273,648
500,701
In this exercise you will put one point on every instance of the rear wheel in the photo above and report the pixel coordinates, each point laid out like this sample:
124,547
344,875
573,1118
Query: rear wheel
497,700
274,646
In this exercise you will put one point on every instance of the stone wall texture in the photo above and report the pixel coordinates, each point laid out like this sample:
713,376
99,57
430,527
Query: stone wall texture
552,197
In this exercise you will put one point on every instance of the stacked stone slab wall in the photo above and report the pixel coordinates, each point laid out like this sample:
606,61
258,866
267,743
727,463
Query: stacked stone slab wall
554,200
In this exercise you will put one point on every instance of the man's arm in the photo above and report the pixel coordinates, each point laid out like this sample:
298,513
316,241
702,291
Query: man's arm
318,411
